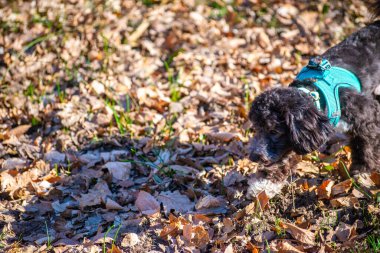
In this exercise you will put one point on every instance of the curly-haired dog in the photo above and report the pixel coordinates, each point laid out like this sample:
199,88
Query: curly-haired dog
338,91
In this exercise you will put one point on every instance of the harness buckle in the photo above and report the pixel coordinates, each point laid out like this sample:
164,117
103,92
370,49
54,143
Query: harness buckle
319,63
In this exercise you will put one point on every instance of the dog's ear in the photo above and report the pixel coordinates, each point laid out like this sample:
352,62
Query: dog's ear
309,128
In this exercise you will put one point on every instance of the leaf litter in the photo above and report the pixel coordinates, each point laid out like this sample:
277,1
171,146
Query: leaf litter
123,128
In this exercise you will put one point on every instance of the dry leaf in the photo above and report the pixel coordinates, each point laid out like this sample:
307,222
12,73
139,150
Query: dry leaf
375,177
342,187
262,201
302,235
228,225
114,249
19,130
130,240
146,203
324,190
349,201
229,249
175,201
344,231
201,236
119,170
209,201
286,247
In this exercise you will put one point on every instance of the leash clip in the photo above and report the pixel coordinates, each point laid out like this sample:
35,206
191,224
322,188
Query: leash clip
319,63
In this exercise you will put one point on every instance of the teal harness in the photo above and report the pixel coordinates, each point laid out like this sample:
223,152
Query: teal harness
328,80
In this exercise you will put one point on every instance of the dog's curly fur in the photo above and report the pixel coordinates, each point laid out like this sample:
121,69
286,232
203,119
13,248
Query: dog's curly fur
286,119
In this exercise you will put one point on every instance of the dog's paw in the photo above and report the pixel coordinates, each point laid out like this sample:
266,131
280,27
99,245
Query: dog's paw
271,188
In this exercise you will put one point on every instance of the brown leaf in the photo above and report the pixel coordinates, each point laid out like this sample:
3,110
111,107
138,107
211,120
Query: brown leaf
228,225
174,227
114,249
302,235
171,229
112,205
209,201
344,231
119,170
95,196
324,190
175,200
138,32
286,247
130,240
262,201
252,248
187,232
201,236
146,203
349,201
342,187
201,218
375,177
221,136
19,130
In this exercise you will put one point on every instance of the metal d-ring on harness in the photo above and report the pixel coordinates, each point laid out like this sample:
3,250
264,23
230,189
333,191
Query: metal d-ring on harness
328,80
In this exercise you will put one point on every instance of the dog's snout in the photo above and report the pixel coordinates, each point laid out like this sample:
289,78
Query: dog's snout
257,157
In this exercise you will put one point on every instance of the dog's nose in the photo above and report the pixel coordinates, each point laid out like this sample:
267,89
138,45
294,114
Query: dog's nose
255,157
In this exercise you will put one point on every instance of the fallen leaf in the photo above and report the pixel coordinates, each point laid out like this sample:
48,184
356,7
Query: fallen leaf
175,201
324,190
229,249
201,218
187,232
200,237
114,249
146,203
349,201
19,130
119,170
95,196
130,240
228,225
342,187
209,201
375,177
112,205
286,247
344,231
13,163
262,201
302,235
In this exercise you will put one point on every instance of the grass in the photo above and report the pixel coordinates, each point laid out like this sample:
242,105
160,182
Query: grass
162,168
374,243
3,234
56,169
37,41
354,181
113,239
49,246
175,93
61,93
111,105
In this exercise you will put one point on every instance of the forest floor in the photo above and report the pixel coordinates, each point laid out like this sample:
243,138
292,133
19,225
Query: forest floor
123,128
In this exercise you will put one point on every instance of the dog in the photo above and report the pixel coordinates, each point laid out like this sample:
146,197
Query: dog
338,91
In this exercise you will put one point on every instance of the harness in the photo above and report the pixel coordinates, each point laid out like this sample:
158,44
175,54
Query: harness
328,80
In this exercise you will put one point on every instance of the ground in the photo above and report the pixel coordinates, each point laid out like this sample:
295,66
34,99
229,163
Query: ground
123,128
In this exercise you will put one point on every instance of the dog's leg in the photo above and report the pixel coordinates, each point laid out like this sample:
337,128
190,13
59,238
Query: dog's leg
362,112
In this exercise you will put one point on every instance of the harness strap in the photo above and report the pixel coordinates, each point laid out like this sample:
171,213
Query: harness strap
328,80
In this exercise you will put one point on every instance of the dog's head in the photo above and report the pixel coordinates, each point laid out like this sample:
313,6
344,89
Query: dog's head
286,119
